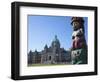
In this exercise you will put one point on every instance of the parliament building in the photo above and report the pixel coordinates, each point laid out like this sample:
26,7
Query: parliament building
53,54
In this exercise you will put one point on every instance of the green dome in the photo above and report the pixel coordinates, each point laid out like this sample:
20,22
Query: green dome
56,42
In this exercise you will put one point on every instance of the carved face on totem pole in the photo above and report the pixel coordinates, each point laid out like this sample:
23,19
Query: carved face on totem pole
77,23
78,33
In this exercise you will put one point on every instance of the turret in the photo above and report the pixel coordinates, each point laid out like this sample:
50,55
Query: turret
46,48
35,52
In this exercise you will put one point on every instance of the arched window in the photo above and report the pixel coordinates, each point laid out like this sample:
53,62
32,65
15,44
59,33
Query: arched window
49,57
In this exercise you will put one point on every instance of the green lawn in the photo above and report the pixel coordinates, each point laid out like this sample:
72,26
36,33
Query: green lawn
46,64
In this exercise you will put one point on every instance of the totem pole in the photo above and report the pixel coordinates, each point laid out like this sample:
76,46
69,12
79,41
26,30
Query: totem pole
79,46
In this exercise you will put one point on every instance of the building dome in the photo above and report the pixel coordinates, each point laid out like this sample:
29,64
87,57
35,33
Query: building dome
55,42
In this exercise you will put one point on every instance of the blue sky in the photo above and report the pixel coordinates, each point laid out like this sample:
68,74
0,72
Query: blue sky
42,29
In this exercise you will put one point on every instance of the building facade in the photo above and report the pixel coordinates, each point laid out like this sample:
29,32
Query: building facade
53,54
